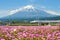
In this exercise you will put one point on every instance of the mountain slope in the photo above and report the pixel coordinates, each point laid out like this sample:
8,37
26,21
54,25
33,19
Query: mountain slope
29,13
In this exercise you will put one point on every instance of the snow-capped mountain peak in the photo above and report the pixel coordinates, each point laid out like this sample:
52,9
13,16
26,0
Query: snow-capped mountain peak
29,13
29,7
26,8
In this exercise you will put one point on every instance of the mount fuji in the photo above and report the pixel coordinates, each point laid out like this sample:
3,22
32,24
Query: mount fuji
29,13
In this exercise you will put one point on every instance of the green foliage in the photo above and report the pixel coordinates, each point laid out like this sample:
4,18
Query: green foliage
25,23
16,38
23,38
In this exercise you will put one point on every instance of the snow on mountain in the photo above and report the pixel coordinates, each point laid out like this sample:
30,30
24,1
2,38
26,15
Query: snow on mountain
22,8
31,8
28,12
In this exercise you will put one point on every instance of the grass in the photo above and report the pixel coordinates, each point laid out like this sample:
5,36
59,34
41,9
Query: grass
14,23
20,24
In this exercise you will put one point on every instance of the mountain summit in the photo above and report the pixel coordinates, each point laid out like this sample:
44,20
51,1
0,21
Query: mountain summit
28,7
24,8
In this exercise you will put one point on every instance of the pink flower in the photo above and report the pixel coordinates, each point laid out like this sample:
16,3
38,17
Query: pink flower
36,35
18,32
31,35
24,35
49,35
2,39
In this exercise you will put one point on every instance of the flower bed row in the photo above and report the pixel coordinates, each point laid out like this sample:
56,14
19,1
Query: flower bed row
30,33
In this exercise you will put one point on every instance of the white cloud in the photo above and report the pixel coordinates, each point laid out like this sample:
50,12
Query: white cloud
52,12
14,11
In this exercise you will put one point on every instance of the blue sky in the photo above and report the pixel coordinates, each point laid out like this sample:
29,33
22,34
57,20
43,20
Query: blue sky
13,4
53,5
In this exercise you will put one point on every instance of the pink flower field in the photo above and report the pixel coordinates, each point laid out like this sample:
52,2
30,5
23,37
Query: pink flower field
29,33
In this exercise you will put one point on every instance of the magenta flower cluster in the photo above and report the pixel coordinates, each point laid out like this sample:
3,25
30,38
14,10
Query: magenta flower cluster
29,33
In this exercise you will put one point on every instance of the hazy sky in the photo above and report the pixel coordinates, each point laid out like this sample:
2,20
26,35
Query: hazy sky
52,5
